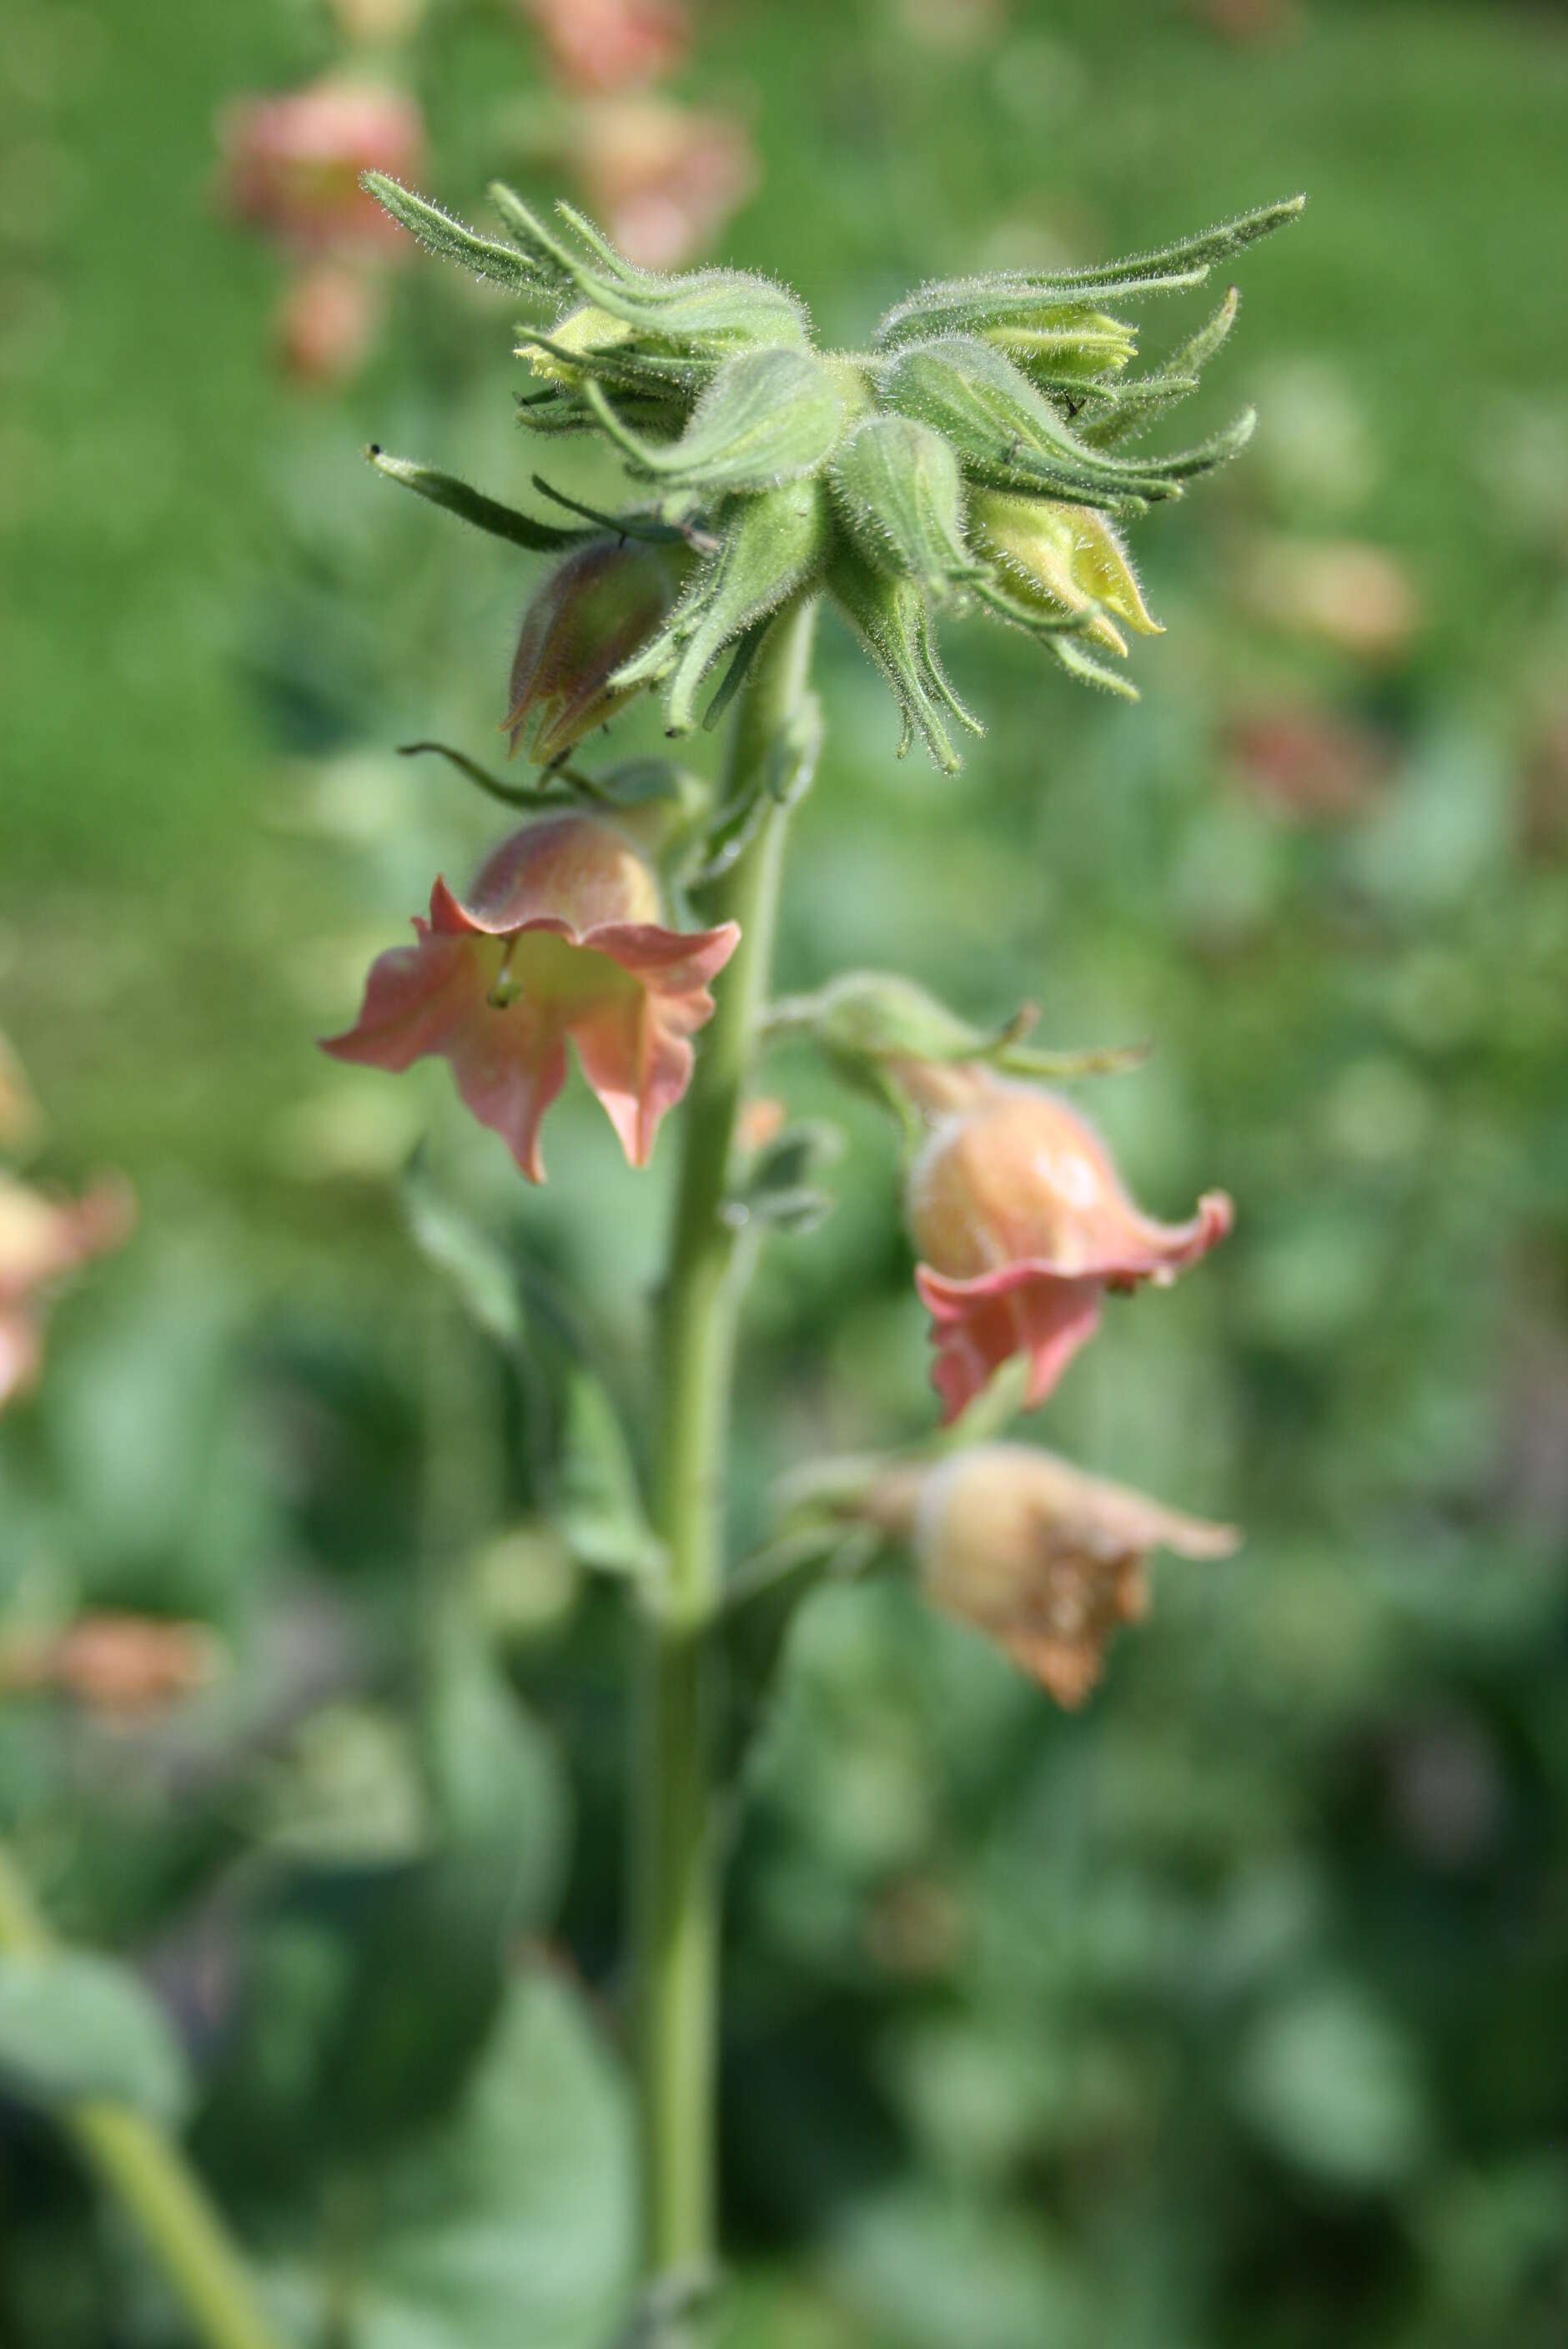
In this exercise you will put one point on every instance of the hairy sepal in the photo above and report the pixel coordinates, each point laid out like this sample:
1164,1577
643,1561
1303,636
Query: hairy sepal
892,620
899,494
768,416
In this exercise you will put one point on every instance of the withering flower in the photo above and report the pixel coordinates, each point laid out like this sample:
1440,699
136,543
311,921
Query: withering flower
560,938
42,1240
1046,1561
1021,1223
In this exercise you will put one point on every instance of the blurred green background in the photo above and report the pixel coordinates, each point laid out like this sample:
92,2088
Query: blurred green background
1231,2013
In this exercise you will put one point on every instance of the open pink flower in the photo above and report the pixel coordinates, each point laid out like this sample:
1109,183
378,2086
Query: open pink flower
1021,1223
41,1240
291,164
560,938
1044,1559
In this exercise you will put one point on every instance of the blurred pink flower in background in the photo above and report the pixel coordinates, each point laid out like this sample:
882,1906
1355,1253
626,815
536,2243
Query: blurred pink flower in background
661,178
1309,764
1021,1223
41,1240
112,1663
328,321
608,45
1343,592
291,164
560,938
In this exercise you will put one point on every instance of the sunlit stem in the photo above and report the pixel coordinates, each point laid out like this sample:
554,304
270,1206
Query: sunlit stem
150,2176
675,1874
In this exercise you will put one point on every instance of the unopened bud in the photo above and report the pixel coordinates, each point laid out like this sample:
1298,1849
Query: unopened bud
597,608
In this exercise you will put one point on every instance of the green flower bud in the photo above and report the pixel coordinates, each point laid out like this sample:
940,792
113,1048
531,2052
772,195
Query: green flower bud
766,417
1069,344
769,545
1008,434
1063,560
897,490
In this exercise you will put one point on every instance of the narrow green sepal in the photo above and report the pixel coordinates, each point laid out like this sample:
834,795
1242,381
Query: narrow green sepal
721,309
472,505
768,416
1006,432
769,545
898,490
892,618
453,240
1032,298
1082,665
517,796
787,775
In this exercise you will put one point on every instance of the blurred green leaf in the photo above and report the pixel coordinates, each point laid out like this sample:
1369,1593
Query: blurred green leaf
1332,2082
486,1282
513,2222
74,2026
596,1502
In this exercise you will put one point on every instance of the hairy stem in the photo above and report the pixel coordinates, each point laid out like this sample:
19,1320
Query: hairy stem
150,2176
675,1864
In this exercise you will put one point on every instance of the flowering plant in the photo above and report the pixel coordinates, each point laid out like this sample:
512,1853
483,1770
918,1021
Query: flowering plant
984,453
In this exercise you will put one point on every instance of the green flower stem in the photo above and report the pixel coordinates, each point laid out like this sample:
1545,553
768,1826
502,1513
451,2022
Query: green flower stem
150,2177
674,1863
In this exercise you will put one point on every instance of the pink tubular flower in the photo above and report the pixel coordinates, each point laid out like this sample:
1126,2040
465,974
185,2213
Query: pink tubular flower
41,1240
1021,1223
291,164
561,937
601,45
1042,1559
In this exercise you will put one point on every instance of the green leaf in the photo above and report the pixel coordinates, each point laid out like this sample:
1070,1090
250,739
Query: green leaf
785,776
76,2027
497,1781
485,1281
452,239
513,2221
472,506
597,1503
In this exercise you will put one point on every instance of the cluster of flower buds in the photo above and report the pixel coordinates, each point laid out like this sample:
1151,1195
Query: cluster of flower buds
1046,1561
975,456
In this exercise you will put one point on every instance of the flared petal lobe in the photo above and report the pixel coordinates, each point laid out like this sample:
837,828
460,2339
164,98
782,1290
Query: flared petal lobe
1021,1222
1046,1561
558,941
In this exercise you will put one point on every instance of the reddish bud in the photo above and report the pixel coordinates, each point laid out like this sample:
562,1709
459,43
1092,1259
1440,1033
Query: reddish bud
1021,1222
1046,1561
598,607
560,938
